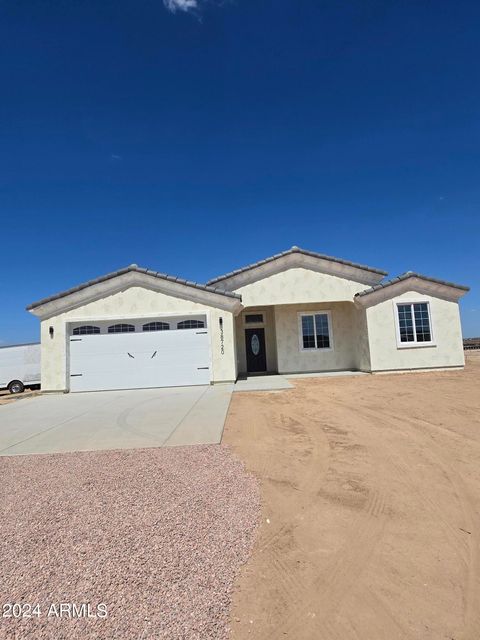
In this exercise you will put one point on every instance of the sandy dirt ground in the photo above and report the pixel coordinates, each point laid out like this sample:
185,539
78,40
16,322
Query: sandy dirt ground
371,508
6,396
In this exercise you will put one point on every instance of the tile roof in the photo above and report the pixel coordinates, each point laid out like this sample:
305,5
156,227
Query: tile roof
136,268
289,252
406,276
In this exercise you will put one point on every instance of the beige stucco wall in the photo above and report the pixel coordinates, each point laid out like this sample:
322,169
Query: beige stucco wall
298,286
135,302
270,337
360,343
384,351
345,330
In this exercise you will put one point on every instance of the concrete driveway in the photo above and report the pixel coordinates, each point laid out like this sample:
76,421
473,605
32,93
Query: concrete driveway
114,420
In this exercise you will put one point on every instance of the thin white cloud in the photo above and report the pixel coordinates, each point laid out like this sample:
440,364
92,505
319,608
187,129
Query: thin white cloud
180,5
192,6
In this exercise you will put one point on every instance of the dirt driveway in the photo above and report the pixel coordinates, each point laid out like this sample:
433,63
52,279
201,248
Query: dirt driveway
371,508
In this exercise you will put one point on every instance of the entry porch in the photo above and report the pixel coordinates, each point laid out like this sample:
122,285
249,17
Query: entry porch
301,338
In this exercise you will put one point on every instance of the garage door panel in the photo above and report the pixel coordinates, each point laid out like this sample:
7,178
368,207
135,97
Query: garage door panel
129,361
96,381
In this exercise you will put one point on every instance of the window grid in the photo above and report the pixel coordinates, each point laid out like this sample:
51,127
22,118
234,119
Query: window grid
323,337
191,324
405,323
315,331
254,317
422,322
85,330
414,322
121,328
308,331
156,326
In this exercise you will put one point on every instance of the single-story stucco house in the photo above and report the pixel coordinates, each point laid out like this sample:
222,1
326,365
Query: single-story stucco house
298,311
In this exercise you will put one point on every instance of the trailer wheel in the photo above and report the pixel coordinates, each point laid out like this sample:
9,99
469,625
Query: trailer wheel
16,386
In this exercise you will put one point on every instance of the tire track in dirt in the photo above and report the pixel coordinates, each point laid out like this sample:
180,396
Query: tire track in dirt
471,611
404,470
330,562
332,583
472,520
274,418
380,615
313,471
288,581
471,559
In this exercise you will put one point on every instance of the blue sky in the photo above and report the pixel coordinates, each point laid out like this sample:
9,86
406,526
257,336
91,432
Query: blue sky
194,142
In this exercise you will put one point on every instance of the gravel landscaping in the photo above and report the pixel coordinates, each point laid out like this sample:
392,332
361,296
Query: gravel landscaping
157,535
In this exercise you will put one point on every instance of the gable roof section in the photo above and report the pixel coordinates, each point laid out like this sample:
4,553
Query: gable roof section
403,282
300,252
134,270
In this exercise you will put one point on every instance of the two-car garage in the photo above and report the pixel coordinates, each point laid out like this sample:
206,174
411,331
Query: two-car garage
155,352
135,328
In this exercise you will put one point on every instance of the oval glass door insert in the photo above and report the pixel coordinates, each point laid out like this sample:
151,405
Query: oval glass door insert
255,344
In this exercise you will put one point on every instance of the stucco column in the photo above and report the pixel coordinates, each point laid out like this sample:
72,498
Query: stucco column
53,355
224,355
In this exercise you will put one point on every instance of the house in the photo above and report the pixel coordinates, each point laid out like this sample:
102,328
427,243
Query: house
298,311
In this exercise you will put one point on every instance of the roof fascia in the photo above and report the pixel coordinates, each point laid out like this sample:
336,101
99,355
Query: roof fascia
298,260
134,279
414,283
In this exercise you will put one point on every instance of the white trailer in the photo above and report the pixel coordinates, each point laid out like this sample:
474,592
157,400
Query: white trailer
19,367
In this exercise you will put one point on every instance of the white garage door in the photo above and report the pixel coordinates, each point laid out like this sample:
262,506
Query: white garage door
139,360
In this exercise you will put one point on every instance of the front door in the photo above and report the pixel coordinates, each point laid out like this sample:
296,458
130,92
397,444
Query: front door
255,347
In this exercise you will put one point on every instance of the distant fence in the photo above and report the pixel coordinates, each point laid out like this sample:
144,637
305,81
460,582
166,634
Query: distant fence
471,345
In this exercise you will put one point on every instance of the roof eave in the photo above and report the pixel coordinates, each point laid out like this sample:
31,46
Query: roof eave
131,276
396,286
291,251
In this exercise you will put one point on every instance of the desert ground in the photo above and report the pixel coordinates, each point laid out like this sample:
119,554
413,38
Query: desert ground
365,490
370,524
6,396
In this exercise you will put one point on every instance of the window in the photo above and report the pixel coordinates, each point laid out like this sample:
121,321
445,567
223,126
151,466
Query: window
315,331
156,326
121,328
414,323
191,324
86,330
254,317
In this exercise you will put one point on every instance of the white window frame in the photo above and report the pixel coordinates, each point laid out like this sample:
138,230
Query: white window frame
88,333
324,312
257,323
166,326
191,320
139,320
414,344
